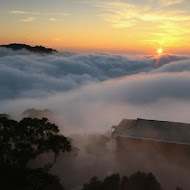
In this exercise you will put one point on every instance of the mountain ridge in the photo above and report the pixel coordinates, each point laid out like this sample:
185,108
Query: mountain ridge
33,49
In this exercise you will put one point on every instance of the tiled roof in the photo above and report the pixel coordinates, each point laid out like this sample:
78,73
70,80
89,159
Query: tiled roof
154,130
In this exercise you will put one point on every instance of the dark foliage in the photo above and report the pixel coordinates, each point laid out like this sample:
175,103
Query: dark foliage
178,188
94,184
35,49
21,142
28,179
137,181
112,182
4,115
124,183
143,181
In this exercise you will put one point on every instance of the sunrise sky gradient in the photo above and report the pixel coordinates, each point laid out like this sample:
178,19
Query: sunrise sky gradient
133,26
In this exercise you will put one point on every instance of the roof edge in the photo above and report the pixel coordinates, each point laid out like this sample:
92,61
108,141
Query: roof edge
138,119
151,139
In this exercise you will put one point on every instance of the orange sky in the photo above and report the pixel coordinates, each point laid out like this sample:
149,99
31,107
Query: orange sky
134,26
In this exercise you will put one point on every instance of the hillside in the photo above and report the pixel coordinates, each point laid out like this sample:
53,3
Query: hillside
33,49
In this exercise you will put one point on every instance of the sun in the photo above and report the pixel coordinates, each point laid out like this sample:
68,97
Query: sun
160,51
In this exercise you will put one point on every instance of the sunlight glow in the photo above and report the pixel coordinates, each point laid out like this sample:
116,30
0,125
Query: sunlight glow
160,51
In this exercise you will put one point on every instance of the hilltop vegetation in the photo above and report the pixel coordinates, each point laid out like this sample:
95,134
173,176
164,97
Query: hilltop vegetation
24,141
35,49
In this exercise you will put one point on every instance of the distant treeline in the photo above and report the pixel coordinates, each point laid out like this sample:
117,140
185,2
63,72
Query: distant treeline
35,49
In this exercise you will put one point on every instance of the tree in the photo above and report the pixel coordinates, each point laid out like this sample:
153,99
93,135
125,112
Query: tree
143,181
137,181
28,179
21,142
25,140
124,182
112,182
95,184
178,188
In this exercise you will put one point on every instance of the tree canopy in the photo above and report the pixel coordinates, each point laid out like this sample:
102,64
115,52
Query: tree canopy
23,141
137,181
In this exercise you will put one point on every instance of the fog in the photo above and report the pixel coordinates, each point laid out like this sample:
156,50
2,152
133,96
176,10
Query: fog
88,93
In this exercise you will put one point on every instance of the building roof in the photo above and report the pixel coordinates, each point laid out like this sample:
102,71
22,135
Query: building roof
164,131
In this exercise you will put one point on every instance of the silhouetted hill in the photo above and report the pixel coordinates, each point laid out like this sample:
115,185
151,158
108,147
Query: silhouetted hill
35,49
34,113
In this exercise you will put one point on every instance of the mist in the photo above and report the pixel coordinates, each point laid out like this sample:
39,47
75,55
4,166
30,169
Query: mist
88,94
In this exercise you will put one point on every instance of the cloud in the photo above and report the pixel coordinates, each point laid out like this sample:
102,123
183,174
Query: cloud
53,19
28,19
92,92
176,66
38,13
27,75
165,22
24,12
171,2
126,14
119,13
40,16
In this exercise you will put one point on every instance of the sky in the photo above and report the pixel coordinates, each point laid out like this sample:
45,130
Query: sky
132,26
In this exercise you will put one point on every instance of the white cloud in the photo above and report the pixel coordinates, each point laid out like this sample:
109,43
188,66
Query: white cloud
40,16
126,14
171,2
53,19
38,13
24,12
28,19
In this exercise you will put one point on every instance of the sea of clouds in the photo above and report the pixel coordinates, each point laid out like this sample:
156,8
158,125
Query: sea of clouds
89,93
95,91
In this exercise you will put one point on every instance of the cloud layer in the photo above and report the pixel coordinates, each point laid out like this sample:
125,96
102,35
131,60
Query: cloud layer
95,91
25,75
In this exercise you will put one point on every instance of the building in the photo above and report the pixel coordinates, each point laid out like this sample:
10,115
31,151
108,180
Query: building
160,147
168,138
159,131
